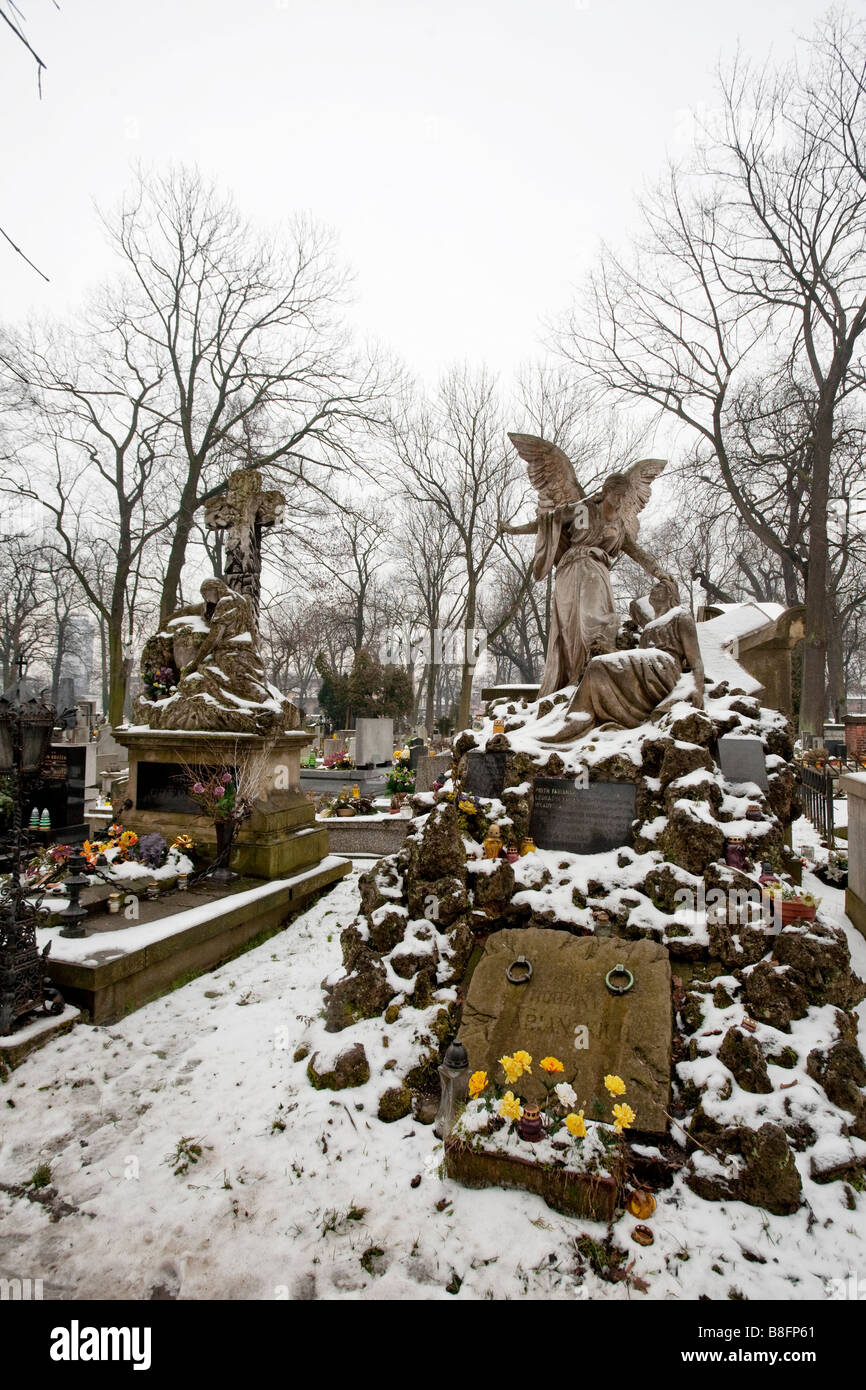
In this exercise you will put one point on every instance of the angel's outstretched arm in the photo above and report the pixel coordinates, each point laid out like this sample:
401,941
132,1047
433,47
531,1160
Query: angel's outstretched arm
643,558
692,650
529,528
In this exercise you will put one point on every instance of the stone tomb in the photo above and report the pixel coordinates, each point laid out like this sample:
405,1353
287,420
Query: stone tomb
374,742
485,773
741,758
60,791
581,819
567,1011
281,837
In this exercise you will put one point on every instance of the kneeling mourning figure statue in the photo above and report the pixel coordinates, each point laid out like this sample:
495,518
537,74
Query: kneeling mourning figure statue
622,689
204,670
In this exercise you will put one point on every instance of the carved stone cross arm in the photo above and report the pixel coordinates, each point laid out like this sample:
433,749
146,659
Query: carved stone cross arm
243,511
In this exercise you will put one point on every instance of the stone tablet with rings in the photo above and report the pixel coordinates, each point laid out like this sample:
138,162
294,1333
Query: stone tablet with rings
549,993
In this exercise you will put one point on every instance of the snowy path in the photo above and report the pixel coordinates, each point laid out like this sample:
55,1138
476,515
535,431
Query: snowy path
295,1212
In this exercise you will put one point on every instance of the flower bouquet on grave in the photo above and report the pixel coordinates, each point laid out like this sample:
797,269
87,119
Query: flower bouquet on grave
352,803
217,795
159,682
401,778
835,872
152,850
339,762
556,1111
227,795
579,1164
787,903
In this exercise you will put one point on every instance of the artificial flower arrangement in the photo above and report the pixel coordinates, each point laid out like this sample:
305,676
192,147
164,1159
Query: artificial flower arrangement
788,893
182,844
472,817
494,1112
835,872
160,682
401,778
217,795
339,762
120,846
348,801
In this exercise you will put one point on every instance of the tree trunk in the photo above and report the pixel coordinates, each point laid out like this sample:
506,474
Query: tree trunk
103,665
835,663
177,554
464,705
430,711
812,700
116,676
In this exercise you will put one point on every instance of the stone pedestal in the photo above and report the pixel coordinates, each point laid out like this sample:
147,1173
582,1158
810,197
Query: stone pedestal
280,838
854,787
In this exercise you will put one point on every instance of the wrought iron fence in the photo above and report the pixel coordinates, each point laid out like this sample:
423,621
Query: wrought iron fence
817,786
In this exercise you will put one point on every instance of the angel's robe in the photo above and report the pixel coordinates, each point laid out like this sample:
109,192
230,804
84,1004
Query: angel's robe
582,612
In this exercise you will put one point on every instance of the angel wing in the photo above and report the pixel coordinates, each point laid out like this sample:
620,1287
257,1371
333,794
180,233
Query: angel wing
551,472
639,477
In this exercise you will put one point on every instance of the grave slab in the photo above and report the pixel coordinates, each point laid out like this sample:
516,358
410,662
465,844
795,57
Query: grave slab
430,770
741,758
581,819
417,751
567,1011
485,773
374,742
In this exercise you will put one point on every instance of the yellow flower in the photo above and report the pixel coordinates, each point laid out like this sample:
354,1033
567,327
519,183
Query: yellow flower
524,1059
467,806
575,1125
512,1068
623,1116
615,1085
551,1064
477,1083
510,1107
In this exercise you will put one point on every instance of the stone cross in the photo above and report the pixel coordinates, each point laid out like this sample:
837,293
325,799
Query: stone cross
243,511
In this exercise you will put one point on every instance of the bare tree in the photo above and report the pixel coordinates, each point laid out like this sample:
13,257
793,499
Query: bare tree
23,606
754,254
88,455
454,456
255,360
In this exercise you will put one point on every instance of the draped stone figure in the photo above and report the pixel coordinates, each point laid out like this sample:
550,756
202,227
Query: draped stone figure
213,669
580,537
622,689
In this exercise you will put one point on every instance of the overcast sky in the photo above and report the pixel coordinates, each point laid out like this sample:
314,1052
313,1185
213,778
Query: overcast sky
469,156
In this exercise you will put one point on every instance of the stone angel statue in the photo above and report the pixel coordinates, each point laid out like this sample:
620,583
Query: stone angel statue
580,537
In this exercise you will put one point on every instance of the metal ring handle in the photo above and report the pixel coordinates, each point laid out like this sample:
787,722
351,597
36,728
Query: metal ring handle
619,989
522,964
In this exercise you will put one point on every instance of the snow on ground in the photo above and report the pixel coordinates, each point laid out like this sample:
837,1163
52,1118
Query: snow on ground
301,1193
